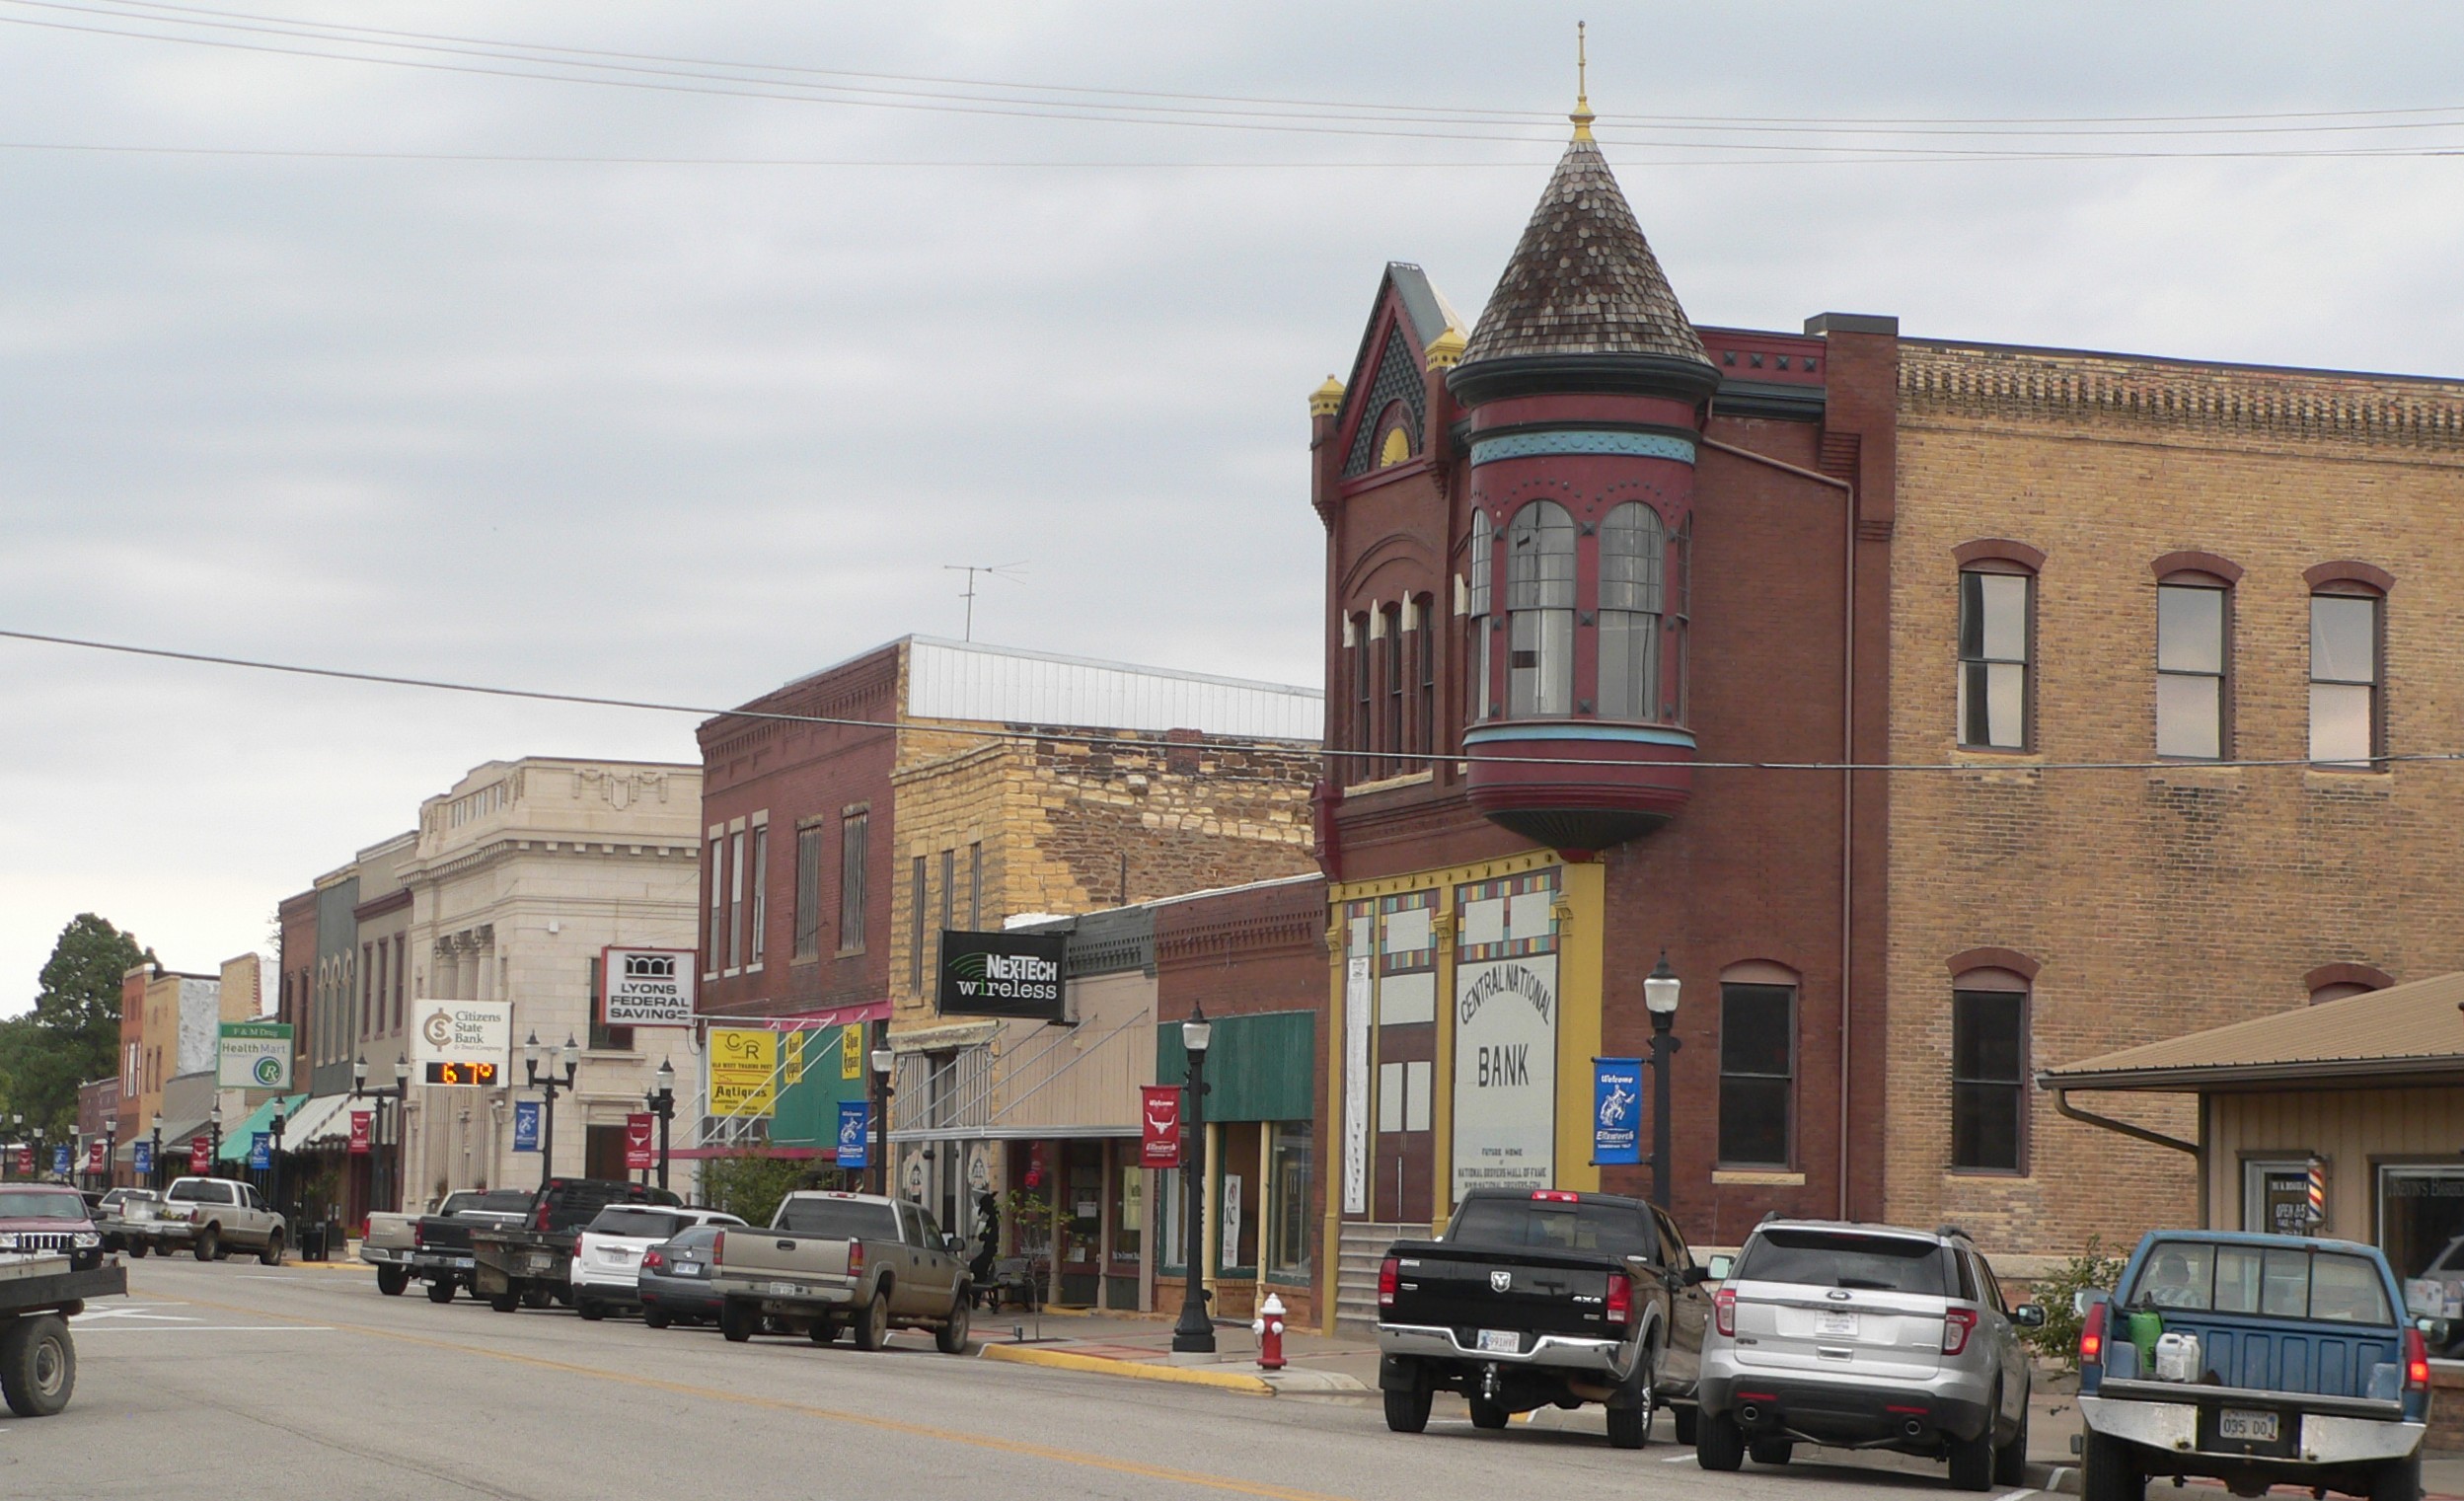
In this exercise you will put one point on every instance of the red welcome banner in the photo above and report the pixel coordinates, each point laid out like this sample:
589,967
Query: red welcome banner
25,1161
1158,1126
638,1153
201,1155
362,1125
97,1159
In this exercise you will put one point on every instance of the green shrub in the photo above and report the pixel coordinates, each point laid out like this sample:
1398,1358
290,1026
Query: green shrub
749,1185
2058,1339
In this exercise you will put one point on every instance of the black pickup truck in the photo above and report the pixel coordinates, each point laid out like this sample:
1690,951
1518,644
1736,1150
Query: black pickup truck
440,1244
532,1262
1530,1299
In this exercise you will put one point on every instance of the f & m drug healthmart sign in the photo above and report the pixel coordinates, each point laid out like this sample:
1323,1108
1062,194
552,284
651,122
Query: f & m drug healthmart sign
253,1055
646,987
1003,974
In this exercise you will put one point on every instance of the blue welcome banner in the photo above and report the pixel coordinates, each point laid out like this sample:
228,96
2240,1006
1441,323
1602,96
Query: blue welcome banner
1616,1111
855,1128
260,1150
146,1160
526,1125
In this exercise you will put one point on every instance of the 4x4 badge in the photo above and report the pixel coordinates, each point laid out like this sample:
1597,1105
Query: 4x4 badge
1500,1281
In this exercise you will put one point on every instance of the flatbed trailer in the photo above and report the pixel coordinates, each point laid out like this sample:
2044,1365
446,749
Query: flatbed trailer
39,1295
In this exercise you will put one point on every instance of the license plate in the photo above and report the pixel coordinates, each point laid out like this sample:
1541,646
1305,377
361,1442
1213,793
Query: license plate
2247,1425
1501,1341
542,1263
1835,1323
782,1290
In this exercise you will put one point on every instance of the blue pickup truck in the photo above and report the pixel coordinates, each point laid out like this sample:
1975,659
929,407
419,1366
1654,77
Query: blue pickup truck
2255,1360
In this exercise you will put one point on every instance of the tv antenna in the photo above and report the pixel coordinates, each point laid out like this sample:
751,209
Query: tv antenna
1007,570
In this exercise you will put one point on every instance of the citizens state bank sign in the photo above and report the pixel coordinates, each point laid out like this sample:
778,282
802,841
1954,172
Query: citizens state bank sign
1016,975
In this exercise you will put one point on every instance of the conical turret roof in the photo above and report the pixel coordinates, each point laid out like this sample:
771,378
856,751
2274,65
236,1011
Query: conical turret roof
1583,280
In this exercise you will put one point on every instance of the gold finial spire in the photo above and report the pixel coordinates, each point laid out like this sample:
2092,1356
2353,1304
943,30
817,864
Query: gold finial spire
1581,116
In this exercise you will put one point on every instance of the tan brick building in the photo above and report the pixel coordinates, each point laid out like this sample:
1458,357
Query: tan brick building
2113,907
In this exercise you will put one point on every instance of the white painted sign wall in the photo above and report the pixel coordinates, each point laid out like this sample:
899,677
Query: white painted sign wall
1356,1086
1505,1073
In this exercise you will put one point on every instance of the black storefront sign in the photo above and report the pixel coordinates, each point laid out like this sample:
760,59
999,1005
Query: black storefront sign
1016,975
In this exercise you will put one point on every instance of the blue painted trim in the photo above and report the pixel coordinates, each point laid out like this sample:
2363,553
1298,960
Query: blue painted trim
1526,445
1580,729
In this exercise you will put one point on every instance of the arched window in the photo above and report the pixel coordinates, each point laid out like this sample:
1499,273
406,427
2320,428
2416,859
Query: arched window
1633,546
1478,657
2194,654
1540,612
1989,1070
2337,982
2348,624
1358,768
1390,740
1996,630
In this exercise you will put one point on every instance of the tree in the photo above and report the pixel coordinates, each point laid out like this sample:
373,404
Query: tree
72,1035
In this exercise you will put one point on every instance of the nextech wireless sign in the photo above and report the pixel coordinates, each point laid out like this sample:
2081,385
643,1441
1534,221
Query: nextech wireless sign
1003,974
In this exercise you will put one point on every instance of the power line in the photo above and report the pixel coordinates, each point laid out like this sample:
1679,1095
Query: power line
1213,742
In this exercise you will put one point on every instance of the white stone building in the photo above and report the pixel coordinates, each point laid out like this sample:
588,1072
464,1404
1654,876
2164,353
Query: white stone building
523,872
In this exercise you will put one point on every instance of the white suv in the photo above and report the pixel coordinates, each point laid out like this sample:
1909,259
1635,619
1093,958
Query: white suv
607,1259
1865,1336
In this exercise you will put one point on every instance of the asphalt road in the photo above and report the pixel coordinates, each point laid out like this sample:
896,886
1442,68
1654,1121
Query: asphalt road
233,1380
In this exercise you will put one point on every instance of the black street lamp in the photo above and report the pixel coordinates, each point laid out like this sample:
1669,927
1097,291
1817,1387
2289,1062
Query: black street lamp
539,1066
1660,989
110,1152
401,1134
884,1060
17,1137
43,1164
359,1088
1195,1331
663,1103
274,1161
214,1153
154,1164
77,1156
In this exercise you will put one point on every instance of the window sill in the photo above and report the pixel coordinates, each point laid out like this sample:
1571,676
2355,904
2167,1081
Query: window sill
2008,1173
1759,1177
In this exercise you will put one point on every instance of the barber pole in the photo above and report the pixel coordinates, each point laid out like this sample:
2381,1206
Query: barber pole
2317,1212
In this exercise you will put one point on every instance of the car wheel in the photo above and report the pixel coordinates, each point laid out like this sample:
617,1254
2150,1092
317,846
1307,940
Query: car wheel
825,1330
138,1250
653,1317
37,1365
2010,1461
1688,1420
951,1338
1719,1444
506,1302
2107,1471
2400,1480
1770,1451
1487,1415
536,1297
736,1320
591,1309
392,1280
1631,1427
1972,1460
208,1241
441,1290
272,1255
1407,1411
873,1325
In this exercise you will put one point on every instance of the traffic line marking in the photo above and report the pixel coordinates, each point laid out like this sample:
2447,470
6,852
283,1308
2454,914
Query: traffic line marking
1677,1459
1017,1447
2016,1495
210,1328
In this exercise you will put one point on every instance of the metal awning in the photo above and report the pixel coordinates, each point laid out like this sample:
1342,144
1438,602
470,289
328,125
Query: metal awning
324,1118
2404,1033
237,1139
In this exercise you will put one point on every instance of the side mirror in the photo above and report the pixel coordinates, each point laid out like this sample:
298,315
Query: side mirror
1719,1267
2087,1297
1696,1276
2435,1332
949,1239
2027,1315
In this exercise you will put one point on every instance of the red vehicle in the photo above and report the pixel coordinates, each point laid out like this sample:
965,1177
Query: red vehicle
50,1218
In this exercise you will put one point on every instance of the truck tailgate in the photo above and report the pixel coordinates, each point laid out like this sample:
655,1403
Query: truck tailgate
1468,1286
777,1253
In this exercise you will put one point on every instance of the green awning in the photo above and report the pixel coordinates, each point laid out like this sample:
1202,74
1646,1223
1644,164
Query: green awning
236,1139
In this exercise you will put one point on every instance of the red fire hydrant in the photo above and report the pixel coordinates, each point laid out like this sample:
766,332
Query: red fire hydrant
1268,1326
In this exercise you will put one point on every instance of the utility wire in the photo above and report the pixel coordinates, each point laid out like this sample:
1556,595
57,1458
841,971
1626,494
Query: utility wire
1213,742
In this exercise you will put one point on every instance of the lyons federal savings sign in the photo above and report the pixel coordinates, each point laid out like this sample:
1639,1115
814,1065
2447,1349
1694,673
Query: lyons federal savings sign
1003,974
1505,1073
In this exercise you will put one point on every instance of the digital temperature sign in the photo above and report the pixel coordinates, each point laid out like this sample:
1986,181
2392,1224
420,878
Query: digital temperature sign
477,1075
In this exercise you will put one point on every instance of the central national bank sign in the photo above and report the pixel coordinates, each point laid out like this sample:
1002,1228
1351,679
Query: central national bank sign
646,987
1016,975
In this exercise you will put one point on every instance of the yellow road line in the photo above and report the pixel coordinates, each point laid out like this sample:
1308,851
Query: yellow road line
1074,1457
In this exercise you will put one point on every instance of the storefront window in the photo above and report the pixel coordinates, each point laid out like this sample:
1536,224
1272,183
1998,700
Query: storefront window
2421,1220
1128,1217
1289,1240
1237,1203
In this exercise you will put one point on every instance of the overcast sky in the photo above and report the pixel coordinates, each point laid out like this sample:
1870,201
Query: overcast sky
684,431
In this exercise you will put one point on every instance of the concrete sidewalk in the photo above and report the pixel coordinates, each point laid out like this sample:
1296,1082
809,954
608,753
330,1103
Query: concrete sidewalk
1139,1347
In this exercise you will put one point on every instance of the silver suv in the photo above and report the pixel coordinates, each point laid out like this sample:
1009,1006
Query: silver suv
1865,1336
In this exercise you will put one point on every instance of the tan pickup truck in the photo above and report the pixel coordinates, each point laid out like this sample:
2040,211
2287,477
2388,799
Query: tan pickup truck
852,1260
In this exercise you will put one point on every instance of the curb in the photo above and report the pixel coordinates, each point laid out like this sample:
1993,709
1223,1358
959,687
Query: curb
2054,1478
1059,1360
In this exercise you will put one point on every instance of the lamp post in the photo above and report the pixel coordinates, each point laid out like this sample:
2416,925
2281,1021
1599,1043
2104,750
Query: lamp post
213,1151
274,1162
43,1164
110,1152
76,1156
154,1164
884,1060
540,1066
1195,1331
1660,990
402,1133
16,1137
663,1103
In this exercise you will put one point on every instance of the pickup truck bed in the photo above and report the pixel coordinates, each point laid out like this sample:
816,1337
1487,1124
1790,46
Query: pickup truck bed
829,1260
